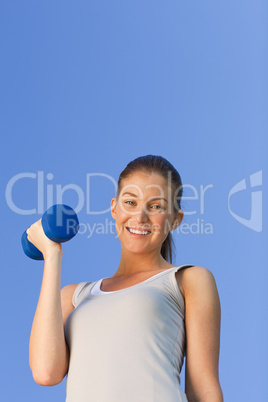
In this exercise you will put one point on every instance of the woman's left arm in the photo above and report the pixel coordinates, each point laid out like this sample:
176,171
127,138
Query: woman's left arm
202,322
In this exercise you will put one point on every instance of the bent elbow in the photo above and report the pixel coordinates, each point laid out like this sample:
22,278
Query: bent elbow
46,379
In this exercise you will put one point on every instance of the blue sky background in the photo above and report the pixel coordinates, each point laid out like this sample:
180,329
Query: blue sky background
88,86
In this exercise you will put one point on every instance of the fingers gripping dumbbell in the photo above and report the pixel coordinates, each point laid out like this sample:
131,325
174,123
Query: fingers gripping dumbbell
60,224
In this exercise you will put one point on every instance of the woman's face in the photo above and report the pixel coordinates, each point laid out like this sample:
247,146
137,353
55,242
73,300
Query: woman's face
145,203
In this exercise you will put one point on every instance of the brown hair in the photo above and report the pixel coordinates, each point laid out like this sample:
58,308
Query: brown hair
159,165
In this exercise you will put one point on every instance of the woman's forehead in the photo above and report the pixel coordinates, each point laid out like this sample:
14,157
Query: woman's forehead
141,182
143,177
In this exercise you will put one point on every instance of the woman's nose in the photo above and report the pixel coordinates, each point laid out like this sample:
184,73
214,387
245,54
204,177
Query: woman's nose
141,215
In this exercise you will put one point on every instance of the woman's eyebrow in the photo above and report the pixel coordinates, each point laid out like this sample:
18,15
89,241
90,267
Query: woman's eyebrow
154,198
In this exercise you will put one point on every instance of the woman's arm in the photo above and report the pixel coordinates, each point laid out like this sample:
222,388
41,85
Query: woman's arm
202,322
48,351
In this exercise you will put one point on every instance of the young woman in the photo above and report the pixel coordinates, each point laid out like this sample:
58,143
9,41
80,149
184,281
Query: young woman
124,338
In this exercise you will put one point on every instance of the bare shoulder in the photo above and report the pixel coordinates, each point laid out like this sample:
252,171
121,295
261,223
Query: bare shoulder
195,280
68,290
67,306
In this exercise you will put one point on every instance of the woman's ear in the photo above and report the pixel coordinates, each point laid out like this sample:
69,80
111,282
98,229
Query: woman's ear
113,207
177,220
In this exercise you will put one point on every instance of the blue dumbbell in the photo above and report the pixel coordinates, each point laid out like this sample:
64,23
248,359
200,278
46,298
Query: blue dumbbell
60,224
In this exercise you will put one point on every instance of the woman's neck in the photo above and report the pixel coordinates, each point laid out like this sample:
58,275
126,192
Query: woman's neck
132,263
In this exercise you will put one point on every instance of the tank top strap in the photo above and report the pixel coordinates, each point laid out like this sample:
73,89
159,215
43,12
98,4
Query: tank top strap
171,282
82,290
184,266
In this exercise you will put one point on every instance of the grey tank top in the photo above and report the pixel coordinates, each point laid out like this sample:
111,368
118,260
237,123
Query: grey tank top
127,345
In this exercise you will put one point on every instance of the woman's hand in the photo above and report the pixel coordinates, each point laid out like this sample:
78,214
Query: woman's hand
36,235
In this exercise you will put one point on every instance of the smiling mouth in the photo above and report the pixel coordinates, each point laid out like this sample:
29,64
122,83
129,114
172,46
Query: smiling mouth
137,232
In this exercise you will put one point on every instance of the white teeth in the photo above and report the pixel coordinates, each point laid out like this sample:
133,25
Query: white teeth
138,232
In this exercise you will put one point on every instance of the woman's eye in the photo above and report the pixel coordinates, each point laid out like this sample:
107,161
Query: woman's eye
160,206
153,206
129,201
